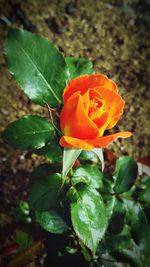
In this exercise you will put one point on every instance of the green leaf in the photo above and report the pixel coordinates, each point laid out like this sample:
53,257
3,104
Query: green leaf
135,213
69,158
117,220
79,66
144,182
141,235
109,205
51,222
89,217
88,156
120,241
146,211
133,256
37,66
145,196
51,151
108,194
107,260
24,207
80,179
91,172
45,188
22,213
46,169
24,240
125,174
140,228
72,194
146,261
29,132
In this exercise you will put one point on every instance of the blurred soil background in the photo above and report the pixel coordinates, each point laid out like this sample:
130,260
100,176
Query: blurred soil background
115,36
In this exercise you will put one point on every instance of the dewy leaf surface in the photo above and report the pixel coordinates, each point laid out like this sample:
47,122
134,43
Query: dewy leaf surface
125,174
51,151
29,132
45,188
89,217
91,173
37,66
51,222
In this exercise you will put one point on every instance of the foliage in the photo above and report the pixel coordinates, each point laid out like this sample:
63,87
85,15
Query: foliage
92,218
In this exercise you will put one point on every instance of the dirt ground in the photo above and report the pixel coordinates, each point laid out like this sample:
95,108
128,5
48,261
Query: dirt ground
114,35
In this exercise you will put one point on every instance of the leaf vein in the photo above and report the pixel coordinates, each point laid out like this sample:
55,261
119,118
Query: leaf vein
36,67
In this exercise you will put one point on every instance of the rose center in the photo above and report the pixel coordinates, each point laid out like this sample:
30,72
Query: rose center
96,103
95,108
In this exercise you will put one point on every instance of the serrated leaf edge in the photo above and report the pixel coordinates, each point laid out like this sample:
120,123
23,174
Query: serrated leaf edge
97,242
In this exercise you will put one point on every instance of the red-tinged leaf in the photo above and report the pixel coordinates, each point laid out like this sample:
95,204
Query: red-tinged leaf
27,255
110,155
8,249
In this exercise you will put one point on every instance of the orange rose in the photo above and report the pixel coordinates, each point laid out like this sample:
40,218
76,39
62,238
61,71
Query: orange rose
91,106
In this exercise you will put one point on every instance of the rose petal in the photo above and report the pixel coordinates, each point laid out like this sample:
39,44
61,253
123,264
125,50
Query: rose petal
70,142
95,94
102,116
111,85
84,82
114,121
104,141
101,122
86,100
114,105
100,142
74,120
96,104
